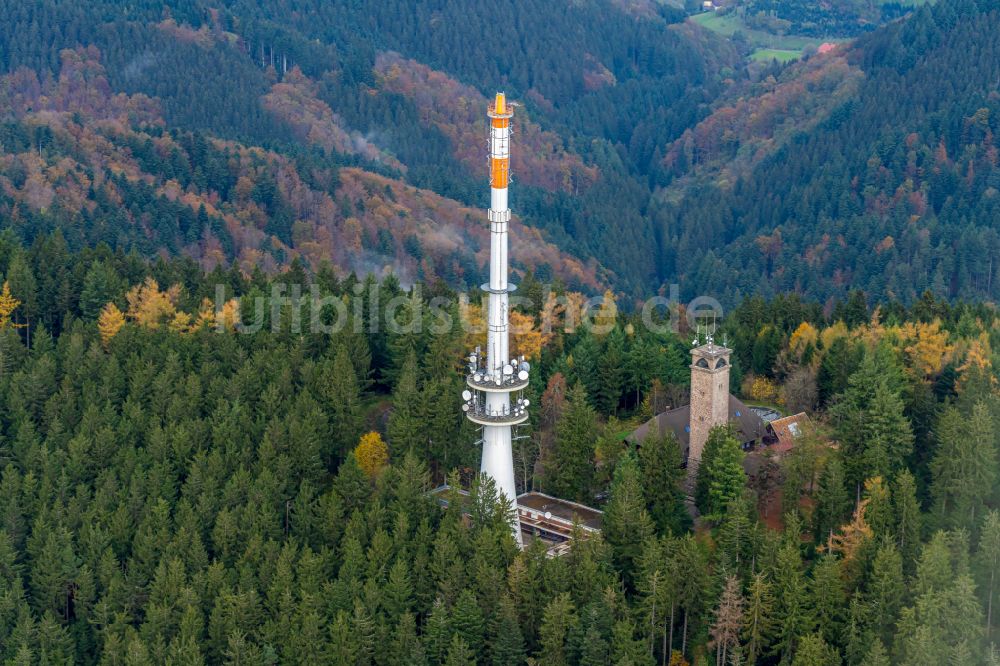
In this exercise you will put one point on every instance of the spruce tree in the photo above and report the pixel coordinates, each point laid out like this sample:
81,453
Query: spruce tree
814,651
735,535
793,618
945,618
558,622
908,519
693,584
459,652
442,424
569,471
758,619
405,648
627,524
467,621
506,639
594,650
887,434
662,475
398,589
965,466
839,361
833,503
828,598
879,510
625,648
437,632
877,656
405,427
351,485
717,439
611,372
640,367
343,399
988,567
870,425
101,285
656,586
721,478
884,591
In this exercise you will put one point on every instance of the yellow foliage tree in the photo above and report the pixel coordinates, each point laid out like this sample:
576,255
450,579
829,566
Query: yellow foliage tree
206,315
7,306
109,323
569,306
372,454
852,536
181,323
149,307
526,339
606,316
474,324
677,659
763,390
873,332
229,316
926,347
978,360
978,354
832,333
802,337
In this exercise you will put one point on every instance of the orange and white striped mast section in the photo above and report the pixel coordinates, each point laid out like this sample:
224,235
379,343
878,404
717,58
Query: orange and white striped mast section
499,216
494,378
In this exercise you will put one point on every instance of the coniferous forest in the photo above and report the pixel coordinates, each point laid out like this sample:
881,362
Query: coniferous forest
180,487
235,244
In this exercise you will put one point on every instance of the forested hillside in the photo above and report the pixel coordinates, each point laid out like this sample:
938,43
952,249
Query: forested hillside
647,149
874,166
194,483
104,168
399,92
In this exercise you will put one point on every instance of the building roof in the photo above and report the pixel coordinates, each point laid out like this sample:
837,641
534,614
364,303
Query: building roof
788,429
552,508
749,426
541,517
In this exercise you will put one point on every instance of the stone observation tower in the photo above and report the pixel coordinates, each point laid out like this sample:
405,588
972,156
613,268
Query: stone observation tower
709,397
494,376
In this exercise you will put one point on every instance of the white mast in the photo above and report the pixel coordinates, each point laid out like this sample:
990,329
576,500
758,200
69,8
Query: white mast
493,378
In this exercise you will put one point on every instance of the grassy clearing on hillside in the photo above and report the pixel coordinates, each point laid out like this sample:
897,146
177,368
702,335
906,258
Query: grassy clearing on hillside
724,24
768,46
781,55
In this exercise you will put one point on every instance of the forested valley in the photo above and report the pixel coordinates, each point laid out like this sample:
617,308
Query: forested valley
180,487
649,151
